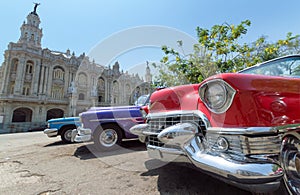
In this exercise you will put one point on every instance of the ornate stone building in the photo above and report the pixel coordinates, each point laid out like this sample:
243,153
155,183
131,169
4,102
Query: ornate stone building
37,84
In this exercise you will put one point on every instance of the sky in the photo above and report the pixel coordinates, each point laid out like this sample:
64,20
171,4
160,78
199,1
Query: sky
133,31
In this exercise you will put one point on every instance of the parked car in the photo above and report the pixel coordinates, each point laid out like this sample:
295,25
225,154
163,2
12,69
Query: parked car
243,128
62,127
108,126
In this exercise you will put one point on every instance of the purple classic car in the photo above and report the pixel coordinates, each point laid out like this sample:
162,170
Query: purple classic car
108,126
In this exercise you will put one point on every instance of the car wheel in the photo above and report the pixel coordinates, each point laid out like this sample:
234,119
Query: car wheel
66,134
290,162
107,137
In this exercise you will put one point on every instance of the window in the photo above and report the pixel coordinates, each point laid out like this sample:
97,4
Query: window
115,87
101,84
82,79
57,92
100,98
32,37
81,96
14,65
26,90
286,67
58,73
22,115
128,89
29,67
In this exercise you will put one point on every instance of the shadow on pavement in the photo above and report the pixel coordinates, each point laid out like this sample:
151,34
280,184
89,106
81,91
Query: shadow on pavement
88,151
179,178
57,143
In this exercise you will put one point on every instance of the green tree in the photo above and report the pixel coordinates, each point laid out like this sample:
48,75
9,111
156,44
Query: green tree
219,50
261,50
214,52
221,43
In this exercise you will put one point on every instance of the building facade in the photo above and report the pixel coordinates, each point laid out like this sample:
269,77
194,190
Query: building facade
37,84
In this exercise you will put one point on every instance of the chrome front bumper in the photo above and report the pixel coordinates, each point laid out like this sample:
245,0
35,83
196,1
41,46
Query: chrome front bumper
257,176
81,134
51,132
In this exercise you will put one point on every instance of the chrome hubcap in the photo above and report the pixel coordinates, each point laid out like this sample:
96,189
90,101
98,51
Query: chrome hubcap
290,157
68,135
108,137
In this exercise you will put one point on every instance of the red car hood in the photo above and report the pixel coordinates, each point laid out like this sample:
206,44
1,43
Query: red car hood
183,97
259,101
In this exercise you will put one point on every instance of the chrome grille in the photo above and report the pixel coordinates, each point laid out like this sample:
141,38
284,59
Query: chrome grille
261,145
157,124
154,141
245,145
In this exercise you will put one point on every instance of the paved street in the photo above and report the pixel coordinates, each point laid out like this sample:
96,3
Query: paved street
32,163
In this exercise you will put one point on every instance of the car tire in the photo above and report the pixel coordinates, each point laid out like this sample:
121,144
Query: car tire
66,134
107,137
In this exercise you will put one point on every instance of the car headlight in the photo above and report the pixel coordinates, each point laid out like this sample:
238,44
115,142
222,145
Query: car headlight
217,95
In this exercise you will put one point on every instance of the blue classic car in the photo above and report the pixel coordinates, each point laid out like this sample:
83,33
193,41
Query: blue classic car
108,126
62,127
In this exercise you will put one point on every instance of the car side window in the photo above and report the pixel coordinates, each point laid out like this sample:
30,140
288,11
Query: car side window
283,67
295,69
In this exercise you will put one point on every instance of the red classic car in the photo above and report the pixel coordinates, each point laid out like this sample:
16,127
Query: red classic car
243,128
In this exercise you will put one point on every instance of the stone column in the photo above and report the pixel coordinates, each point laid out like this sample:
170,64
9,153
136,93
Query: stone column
6,75
36,71
49,81
45,88
67,83
41,79
20,77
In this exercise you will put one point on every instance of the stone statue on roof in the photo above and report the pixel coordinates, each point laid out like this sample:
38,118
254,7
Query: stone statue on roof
35,7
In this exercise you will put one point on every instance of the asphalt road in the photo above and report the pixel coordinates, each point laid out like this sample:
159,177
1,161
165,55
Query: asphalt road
32,163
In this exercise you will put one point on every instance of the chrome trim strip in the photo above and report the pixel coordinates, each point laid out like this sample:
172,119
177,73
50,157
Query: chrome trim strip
115,119
166,150
65,122
252,130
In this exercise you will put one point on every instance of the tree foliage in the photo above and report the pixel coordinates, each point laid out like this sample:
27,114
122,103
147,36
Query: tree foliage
219,50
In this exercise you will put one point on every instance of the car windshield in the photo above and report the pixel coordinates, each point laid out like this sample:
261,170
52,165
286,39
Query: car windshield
142,100
288,66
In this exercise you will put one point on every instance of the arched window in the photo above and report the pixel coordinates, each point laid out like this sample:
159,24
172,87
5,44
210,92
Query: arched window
81,96
58,73
128,88
82,79
100,99
22,115
115,87
54,113
32,37
101,84
29,67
